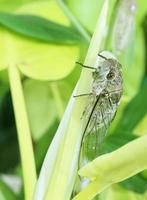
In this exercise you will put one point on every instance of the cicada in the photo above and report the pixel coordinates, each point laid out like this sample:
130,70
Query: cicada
102,103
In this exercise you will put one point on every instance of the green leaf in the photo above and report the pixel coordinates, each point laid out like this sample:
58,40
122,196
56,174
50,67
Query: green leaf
40,106
39,28
135,110
9,153
136,183
144,26
3,90
114,167
88,19
9,6
116,140
35,58
43,144
116,192
6,193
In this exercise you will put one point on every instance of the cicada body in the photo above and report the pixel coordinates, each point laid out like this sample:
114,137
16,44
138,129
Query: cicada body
102,104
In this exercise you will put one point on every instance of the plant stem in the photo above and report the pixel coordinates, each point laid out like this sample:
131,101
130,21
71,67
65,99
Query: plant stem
23,131
73,19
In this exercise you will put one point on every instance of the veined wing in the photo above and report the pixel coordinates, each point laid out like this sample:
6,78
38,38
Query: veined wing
97,125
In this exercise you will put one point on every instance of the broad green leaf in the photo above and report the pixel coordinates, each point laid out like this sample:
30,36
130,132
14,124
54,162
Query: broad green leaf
37,59
45,61
39,28
40,105
45,101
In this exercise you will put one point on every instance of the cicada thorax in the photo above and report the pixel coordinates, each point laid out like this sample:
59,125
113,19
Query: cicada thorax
114,83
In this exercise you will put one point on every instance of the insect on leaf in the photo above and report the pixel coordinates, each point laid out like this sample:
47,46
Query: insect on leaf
103,100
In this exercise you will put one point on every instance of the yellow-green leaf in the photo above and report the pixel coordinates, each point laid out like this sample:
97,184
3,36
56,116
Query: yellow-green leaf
114,167
37,59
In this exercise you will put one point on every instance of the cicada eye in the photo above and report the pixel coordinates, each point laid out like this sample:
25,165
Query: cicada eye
110,76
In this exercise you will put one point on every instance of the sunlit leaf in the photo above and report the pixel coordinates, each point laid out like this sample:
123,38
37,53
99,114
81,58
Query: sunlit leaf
40,106
137,183
123,163
88,19
38,60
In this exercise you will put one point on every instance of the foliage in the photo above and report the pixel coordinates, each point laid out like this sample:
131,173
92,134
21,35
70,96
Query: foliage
40,42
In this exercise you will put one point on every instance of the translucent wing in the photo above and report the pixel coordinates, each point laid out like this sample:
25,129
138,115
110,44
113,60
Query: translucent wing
100,117
92,142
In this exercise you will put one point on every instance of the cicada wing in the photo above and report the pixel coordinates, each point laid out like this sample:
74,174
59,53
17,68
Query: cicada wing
97,129
92,143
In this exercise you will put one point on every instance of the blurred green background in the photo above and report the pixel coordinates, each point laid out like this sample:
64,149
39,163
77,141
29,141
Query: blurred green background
44,38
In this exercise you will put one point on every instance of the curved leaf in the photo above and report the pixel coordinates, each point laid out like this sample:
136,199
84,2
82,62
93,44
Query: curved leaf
114,167
39,28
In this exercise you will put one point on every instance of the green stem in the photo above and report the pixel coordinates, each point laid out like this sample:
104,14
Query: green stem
23,131
73,19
